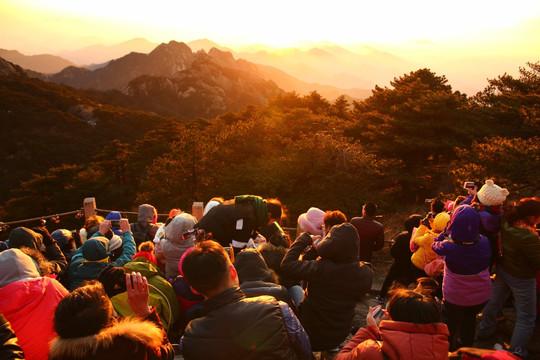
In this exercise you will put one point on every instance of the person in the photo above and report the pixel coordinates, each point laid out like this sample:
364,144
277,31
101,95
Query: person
40,240
412,331
273,231
330,219
28,301
371,232
93,256
66,242
88,329
516,274
9,344
401,269
233,326
162,295
145,228
423,238
179,236
336,281
311,222
235,222
466,282
256,278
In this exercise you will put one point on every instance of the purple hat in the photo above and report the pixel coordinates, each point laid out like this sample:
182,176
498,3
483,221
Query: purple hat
464,225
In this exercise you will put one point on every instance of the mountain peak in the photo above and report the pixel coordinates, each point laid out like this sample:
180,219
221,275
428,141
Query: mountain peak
9,69
171,48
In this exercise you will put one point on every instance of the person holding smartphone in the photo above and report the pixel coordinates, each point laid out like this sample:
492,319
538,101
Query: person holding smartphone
409,328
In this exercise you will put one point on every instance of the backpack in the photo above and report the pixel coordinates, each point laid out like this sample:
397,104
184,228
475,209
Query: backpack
141,233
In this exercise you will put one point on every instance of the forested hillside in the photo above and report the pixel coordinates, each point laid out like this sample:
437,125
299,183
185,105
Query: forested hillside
409,140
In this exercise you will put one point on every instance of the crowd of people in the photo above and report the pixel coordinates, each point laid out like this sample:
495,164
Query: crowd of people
233,285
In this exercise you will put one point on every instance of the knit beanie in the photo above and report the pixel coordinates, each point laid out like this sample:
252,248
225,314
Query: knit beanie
15,266
180,225
22,236
491,194
312,221
147,255
115,242
63,238
464,225
95,249
112,216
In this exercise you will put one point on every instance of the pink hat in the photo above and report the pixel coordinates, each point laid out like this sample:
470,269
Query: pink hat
312,221
449,205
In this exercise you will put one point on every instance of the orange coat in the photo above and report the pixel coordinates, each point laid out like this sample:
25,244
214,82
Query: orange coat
400,340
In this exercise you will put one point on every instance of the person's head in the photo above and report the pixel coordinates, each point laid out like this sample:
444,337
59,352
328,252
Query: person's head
23,236
15,265
341,245
45,266
250,266
83,312
147,246
369,209
93,221
95,249
147,214
332,218
208,269
464,225
437,206
215,201
412,307
64,239
439,221
180,229
526,210
412,222
491,194
275,210
312,221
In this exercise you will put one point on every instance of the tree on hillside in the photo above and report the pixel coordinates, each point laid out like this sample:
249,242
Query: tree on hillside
513,163
512,105
340,107
419,119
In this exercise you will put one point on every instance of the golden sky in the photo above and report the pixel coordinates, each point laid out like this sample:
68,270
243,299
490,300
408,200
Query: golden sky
68,24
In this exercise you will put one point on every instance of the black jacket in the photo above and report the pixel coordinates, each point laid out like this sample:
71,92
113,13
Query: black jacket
336,282
9,345
236,327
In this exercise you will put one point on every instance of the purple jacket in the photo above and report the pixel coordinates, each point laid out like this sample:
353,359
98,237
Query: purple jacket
466,279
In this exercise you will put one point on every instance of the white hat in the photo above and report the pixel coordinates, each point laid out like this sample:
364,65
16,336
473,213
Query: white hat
491,194
115,242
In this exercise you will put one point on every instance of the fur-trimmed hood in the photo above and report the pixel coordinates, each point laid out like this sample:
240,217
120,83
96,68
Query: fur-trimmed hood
133,330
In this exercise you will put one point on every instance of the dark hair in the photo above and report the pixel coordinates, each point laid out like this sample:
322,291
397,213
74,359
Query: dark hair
206,266
332,218
413,307
412,222
524,209
370,208
83,312
93,221
437,206
429,285
274,207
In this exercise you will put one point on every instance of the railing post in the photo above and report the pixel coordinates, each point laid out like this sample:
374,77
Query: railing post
89,206
197,210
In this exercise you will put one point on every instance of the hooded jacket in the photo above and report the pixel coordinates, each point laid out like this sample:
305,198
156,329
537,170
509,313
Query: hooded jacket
173,246
335,283
400,341
466,280
163,299
424,238
28,302
521,251
256,279
93,256
131,338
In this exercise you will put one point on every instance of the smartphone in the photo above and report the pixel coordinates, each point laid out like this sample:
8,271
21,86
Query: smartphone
468,185
230,251
115,223
378,313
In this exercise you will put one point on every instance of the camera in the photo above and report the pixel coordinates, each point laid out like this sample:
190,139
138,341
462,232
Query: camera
115,223
469,185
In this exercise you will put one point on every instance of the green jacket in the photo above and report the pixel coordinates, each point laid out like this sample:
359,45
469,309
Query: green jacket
521,251
166,302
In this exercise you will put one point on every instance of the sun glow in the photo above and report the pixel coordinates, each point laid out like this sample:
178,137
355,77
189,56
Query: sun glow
278,23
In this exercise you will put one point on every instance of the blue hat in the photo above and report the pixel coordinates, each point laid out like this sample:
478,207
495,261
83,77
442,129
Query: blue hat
115,215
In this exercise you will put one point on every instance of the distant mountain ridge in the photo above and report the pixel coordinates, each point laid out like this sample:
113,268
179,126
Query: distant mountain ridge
44,63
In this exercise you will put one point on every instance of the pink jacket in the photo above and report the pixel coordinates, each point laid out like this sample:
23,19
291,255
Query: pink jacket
29,306
400,340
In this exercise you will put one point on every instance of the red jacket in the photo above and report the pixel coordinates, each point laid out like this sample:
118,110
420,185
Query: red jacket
29,306
400,340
